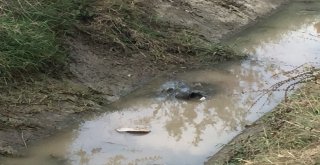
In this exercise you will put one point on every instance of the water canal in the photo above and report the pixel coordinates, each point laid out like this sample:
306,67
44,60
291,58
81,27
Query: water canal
188,132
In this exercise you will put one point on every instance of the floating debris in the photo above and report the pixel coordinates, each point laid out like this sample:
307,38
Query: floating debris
189,92
203,99
136,130
190,95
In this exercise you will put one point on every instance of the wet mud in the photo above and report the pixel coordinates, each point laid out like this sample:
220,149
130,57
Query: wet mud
35,111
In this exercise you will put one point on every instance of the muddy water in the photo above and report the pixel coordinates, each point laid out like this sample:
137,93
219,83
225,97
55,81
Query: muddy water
188,132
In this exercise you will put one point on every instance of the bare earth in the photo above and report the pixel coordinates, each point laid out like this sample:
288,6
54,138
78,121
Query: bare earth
99,76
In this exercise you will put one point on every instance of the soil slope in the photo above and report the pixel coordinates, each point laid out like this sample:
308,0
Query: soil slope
215,18
101,71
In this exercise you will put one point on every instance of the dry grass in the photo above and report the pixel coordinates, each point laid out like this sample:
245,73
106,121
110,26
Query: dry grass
31,32
130,27
43,95
291,133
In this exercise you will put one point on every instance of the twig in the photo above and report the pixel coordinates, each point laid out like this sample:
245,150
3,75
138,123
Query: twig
24,142
306,75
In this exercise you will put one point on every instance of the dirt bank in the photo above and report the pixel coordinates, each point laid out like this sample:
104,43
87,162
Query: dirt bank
102,67
287,135
214,19
210,19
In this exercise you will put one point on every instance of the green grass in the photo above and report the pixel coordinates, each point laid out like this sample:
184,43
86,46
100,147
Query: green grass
29,34
26,46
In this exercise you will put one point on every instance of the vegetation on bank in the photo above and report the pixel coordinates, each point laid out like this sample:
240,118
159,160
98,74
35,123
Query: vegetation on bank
133,27
290,134
29,35
32,32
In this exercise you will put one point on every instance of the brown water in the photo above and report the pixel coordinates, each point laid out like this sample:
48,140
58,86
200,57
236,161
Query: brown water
188,132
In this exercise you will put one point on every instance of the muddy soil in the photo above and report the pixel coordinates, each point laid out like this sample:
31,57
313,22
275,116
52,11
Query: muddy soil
99,75
37,109
110,72
215,19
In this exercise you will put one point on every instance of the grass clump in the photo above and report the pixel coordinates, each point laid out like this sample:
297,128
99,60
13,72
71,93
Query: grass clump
290,134
29,34
131,27
26,46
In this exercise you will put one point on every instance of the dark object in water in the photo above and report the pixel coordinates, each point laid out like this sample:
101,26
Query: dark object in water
195,95
183,91
170,90
189,95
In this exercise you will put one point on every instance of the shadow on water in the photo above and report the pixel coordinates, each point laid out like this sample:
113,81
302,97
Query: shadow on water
187,132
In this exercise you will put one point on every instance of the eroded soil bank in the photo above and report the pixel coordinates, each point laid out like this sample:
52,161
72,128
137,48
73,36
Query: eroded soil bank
285,135
99,73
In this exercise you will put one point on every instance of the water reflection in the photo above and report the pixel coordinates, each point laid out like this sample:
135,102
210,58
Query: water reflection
183,132
186,132
283,30
317,27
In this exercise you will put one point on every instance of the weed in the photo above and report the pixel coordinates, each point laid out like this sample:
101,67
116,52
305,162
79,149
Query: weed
30,30
291,133
26,46
133,27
